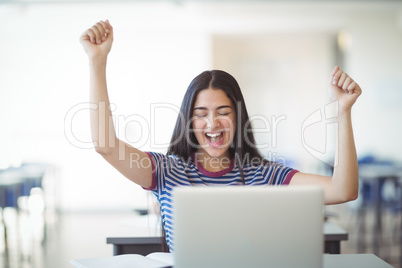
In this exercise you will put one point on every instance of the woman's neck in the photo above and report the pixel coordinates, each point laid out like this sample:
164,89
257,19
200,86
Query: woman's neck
213,164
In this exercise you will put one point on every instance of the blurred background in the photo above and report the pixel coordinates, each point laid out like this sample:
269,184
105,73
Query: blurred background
60,200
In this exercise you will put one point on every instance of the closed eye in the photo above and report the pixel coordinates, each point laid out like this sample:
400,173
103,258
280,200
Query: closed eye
200,115
224,110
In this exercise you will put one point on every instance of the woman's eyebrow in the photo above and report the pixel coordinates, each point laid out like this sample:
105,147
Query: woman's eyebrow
224,106
219,107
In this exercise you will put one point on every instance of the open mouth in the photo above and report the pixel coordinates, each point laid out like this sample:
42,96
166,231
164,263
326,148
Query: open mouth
215,139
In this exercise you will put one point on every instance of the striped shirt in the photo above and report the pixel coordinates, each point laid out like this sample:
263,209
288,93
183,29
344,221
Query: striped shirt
171,171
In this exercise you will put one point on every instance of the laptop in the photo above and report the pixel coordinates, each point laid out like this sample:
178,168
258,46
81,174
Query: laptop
243,226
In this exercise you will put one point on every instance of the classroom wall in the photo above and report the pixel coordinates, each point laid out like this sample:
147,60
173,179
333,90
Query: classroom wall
375,57
284,77
159,47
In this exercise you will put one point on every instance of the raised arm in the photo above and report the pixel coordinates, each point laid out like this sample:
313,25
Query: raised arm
97,42
344,184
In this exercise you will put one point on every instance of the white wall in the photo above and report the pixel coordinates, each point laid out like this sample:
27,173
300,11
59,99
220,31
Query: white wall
159,47
284,79
371,55
44,90
375,57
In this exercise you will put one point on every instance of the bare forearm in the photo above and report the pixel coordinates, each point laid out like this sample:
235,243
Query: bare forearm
102,128
346,175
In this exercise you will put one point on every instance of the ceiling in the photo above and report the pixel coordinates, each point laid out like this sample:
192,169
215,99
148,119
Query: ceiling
184,1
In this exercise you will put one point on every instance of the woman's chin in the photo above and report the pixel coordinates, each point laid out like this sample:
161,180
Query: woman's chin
216,152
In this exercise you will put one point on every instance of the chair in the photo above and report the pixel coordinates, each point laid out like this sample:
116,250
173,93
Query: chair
10,190
380,190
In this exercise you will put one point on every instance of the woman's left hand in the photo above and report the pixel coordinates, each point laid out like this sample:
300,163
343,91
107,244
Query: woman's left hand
344,89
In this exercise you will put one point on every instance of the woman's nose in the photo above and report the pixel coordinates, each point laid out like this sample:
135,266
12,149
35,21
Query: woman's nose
213,122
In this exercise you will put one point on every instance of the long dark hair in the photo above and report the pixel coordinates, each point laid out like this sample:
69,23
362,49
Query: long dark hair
243,148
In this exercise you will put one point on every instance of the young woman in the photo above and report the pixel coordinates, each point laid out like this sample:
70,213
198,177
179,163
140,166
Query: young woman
212,143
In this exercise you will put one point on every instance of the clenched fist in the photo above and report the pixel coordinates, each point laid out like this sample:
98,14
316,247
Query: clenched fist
97,40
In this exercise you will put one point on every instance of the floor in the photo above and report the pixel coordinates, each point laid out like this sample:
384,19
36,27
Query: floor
38,243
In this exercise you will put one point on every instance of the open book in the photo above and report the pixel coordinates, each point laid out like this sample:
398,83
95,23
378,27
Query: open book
153,260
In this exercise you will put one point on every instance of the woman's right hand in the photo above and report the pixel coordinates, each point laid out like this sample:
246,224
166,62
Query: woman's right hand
97,40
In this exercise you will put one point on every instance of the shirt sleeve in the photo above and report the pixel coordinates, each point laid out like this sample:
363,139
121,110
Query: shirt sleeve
278,174
289,176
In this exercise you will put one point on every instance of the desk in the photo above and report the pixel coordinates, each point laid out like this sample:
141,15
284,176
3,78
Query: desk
329,261
138,235
333,236
16,183
353,261
135,245
10,188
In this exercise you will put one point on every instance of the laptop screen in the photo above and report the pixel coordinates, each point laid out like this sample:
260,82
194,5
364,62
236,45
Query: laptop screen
243,226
